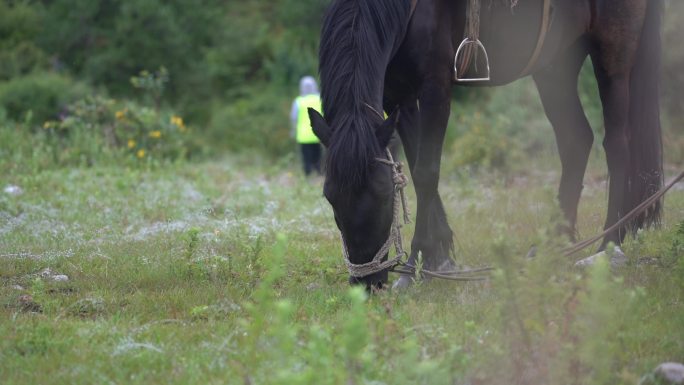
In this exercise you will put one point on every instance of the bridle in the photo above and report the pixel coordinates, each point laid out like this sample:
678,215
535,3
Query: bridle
376,265
396,264
400,206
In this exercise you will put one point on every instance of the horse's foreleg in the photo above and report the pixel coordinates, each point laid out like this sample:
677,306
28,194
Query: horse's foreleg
408,130
433,237
557,87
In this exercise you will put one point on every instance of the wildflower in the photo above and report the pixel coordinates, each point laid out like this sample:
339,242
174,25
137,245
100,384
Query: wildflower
120,115
47,124
156,134
131,143
141,153
178,122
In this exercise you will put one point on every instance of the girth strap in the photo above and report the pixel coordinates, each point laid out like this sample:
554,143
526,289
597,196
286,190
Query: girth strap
543,30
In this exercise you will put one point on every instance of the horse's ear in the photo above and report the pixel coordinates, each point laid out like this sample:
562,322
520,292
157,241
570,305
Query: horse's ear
320,127
386,129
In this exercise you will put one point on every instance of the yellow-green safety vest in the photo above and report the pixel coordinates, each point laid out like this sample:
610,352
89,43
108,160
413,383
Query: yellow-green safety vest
304,132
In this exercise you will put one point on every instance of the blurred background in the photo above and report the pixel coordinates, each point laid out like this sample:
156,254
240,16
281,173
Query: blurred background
84,82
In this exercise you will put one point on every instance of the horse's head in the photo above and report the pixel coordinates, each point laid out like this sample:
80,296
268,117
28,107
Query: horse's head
362,199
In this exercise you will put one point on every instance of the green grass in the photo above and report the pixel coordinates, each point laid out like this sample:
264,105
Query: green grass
230,272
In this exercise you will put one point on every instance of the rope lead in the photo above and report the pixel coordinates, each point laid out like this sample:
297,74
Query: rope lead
377,265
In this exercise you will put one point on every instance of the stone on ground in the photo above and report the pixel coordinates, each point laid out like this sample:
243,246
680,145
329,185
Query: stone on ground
617,259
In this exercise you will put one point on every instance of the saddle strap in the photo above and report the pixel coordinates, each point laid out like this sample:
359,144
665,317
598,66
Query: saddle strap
543,30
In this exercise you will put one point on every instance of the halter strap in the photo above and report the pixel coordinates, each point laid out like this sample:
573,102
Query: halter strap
377,265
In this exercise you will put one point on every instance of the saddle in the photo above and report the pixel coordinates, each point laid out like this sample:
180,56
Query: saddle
468,52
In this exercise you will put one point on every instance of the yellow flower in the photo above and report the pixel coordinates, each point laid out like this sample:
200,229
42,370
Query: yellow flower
119,115
177,121
131,143
141,153
156,134
47,124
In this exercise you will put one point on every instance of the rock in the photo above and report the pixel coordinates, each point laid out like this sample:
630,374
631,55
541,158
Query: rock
667,373
26,303
13,190
313,286
87,307
60,278
648,261
618,259
48,274
404,282
18,287
670,373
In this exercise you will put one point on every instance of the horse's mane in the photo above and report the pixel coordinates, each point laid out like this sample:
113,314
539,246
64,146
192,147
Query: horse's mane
355,42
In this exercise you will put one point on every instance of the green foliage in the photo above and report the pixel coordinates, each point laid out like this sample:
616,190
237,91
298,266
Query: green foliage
19,28
138,131
39,96
98,130
259,119
482,145
153,84
598,323
224,56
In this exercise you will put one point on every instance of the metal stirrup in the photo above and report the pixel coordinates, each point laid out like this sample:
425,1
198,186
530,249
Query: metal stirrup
478,45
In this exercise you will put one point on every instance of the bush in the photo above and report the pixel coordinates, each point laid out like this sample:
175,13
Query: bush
40,96
482,145
20,25
138,132
259,120
97,130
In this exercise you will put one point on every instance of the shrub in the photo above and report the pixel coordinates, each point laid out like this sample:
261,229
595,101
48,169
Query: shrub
39,96
483,144
97,130
137,132
258,120
20,24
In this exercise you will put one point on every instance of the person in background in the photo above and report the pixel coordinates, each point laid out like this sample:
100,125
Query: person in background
301,126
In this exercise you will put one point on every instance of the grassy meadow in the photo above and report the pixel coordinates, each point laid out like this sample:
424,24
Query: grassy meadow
155,227
229,271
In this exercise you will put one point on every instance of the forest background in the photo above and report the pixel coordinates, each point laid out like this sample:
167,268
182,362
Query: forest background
130,75
155,227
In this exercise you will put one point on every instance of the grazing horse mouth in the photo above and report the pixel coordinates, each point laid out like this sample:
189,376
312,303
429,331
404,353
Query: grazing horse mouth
381,260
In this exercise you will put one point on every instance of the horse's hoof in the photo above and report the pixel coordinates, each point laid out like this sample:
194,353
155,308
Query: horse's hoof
618,259
404,282
447,265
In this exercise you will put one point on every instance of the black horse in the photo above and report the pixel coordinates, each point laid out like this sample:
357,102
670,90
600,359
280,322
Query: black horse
385,55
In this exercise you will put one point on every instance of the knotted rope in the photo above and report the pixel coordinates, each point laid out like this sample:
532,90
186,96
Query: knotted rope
400,203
